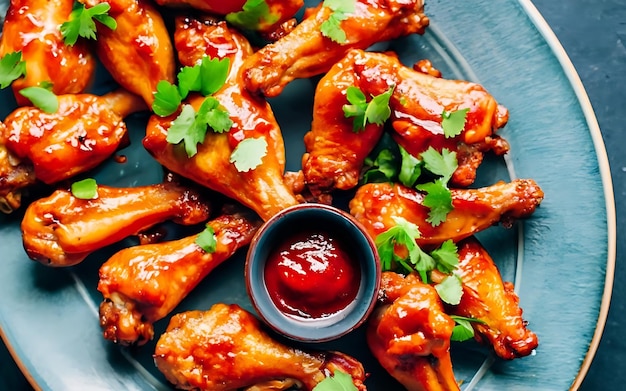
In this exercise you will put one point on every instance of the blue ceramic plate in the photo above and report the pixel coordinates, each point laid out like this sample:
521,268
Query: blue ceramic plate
561,259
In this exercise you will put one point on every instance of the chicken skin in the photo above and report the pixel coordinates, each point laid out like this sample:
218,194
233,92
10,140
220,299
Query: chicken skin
32,28
138,53
335,153
62,230
263,188
306,52
376,204
487,298
278,11
15,175
144,283
224,348
409,334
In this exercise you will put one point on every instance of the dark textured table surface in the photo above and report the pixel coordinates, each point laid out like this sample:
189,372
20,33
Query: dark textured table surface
593,33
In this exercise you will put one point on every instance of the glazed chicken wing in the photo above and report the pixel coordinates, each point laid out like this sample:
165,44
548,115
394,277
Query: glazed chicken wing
144,283
278,11
335,153
263,188
138,53
376,204
62,230
32,27
306,52
487,298
84,131
224,348
409,334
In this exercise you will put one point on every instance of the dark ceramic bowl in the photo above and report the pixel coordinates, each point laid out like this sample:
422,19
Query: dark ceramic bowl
334,223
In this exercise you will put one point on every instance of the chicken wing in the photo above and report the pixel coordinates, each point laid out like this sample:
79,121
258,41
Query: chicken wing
376,204
138,53
278,11
306,52
487,298
15,175
144,283
224,348
62,230
335,153
32,28
84,131
263,188
409,334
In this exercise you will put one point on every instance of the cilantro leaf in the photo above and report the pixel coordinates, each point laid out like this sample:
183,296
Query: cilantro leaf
410,168
453,122
188,80
438,199
252,14
443,164
463,329
331,28
450,289
206,239
340,381
249,154
87,189
81,22
447,256
185,128
167,99
42,98
404,234
213,74
377,111
12,67
382,168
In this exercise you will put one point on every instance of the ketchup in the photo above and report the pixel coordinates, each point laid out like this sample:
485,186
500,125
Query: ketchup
310,275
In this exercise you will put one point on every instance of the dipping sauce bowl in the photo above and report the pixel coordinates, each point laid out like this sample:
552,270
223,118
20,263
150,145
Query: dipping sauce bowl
312,273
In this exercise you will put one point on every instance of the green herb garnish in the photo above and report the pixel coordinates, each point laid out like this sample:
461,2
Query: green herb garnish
81,22
87,189
252,14
376,111
42,98
206,239
453,122
249,154
331,27
12,67
463,329
340,381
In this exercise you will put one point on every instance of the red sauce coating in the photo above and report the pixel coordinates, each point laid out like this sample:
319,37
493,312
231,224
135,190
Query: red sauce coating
310,275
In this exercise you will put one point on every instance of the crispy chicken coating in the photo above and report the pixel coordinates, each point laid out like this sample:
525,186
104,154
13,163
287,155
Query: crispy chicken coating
376,204
225,348
144,283
62,230
306,52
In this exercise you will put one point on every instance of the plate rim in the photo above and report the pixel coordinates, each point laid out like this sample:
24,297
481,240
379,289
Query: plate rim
569,70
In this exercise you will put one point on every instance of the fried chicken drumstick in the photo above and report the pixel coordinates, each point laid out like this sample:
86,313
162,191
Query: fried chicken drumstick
306,52
62,230
487,298
32,28
85,130
263,188
144,283
335,153
224,349
409,334
376,204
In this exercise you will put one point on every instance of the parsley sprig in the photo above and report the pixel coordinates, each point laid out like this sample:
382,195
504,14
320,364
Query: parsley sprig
340,381
81,22
376,111
445,259
190,126
331,27
12,67
252,15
